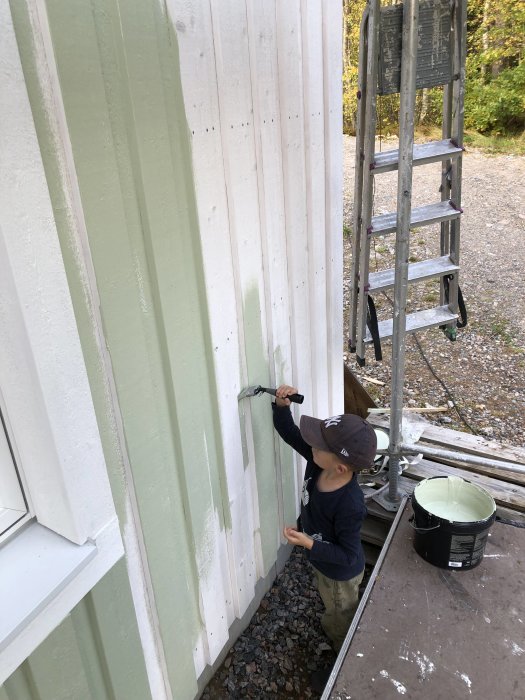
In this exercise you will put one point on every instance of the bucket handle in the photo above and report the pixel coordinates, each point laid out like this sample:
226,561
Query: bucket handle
422,529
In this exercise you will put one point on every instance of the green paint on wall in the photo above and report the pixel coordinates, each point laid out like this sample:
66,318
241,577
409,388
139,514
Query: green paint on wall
114,136
113,635
94,654
119,75
262,427
77,281
286,454
20,686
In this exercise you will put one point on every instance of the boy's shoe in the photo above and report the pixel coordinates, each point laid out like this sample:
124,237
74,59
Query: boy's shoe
319,679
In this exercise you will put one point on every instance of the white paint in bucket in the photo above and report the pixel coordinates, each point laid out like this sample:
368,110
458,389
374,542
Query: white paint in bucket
454,499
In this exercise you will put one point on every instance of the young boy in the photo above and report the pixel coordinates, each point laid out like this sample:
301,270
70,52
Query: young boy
332,505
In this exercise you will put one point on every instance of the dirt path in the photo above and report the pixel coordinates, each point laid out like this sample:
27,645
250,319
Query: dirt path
485,368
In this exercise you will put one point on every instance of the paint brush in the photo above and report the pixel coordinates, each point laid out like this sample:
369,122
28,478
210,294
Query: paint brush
257,390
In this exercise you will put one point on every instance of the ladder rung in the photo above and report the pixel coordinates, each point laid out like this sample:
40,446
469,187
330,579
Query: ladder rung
417,321
421,216
423,153
426,269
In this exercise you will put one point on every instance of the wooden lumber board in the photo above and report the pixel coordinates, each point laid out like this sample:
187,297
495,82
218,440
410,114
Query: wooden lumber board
463,442
372,552
508,495
431,633
379,512
456,444
510,514
374,531
500,474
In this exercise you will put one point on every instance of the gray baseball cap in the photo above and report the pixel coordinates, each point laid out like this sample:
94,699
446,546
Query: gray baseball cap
349,437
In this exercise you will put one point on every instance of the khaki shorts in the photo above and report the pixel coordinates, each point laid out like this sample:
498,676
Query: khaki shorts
340,599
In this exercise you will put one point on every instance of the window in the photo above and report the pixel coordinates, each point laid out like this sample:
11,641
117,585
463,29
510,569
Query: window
13,505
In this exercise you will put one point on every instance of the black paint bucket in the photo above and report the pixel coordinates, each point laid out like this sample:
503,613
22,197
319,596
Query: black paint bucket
452,519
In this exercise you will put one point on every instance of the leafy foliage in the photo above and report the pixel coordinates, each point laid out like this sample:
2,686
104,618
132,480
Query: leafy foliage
497,107
495,86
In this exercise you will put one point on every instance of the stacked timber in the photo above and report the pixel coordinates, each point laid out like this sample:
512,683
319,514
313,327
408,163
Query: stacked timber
506,487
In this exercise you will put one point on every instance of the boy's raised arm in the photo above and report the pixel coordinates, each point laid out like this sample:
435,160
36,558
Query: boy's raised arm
284,423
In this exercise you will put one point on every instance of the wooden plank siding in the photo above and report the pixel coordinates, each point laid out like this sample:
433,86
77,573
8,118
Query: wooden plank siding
256,78
193,156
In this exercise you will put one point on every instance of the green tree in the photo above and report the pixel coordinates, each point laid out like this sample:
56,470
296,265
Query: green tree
352,13
495,97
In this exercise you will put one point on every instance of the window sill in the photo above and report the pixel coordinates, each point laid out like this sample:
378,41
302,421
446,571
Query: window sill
43,577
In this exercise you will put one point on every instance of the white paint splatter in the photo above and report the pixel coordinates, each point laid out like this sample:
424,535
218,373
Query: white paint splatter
397,685
516,650
140,281
403,651
465,680
487,620
426,666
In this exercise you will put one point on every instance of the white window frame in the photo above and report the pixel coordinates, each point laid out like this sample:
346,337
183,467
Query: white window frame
14,507
73,537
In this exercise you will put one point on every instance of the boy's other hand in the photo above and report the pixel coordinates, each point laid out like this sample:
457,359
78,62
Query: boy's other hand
298,538
282,392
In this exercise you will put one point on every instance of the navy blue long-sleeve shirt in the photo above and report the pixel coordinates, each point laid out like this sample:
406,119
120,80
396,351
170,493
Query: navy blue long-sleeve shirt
332,518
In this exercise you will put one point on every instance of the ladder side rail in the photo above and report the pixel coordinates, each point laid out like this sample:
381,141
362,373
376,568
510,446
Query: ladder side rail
357,235
404,206
458,99
446,132
447,164
374,18
447,169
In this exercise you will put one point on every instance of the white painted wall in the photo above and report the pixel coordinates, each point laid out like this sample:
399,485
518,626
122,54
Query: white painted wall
262,91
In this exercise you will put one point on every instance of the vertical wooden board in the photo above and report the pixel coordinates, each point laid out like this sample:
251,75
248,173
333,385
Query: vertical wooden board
313,81
289,52
91,652
198,74
97,125
174,260
39,72
57,669
262,39
333,134
236,113
19,686
109,608
289,56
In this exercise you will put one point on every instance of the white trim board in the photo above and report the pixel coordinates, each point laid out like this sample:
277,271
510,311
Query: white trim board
46,398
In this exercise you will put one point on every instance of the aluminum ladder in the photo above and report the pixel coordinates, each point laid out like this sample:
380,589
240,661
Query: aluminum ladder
390,62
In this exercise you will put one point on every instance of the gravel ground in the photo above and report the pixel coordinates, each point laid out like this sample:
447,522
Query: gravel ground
484,371
282,645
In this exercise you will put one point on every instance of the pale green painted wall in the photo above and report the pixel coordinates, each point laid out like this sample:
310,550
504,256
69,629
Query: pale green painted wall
93,655
119,75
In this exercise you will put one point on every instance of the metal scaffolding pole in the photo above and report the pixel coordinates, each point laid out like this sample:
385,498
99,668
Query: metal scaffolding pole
404,207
